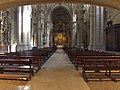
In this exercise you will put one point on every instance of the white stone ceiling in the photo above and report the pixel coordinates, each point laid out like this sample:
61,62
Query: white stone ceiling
10,3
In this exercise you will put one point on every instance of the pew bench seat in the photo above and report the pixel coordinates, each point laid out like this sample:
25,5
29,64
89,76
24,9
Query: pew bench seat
15,76
101,68
16,69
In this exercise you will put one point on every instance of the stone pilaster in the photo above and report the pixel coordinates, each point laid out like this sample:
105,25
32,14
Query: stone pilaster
14,30
80,27
24,28
6,27
99,35
92,27
73,34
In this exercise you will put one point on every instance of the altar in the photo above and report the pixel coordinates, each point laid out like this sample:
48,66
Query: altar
60,39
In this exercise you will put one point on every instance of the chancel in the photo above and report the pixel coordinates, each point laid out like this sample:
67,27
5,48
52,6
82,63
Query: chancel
61,26
59,45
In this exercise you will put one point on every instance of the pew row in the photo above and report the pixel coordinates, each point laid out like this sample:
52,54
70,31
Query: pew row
16,69
12,69
100,67
95,65
36,60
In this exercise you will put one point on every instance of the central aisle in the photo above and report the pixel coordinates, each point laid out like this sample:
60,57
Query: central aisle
58,73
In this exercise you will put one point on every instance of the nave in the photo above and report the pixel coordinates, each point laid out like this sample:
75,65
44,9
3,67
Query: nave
58,73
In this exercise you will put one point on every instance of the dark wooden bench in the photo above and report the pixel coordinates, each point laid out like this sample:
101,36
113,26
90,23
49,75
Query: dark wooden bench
77,59
16,69
23,64
73,55
36,60
41,55
100,67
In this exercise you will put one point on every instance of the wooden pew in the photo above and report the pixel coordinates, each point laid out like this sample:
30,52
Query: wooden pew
20,65
42,56
36,60
77,59
75,55
16,69
109,65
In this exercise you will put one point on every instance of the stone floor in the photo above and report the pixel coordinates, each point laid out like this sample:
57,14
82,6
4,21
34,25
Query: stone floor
104,85
58,74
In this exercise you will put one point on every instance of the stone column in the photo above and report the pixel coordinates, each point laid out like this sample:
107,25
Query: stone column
36,26
48,33
105,25
14,30
39,34
41,26
96,28
51,37
102,33
6,30
24,28
78,36
0,28
73,34
20,25
92,27
80,27
99,45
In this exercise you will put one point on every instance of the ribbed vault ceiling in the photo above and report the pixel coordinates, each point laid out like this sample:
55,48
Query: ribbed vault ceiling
10,3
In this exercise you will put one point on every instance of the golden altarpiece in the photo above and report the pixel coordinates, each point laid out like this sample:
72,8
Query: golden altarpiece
61,27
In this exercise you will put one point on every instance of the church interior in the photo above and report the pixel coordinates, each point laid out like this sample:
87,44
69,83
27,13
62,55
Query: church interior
59,45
